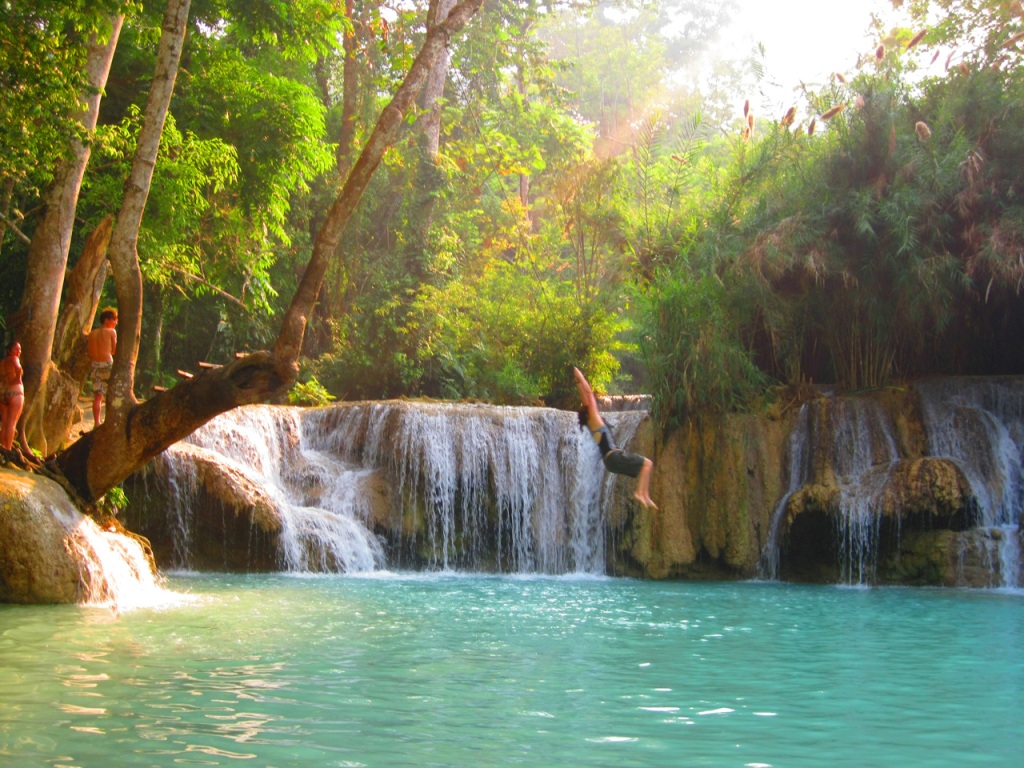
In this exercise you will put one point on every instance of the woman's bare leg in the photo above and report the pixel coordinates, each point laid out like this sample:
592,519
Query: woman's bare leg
10,422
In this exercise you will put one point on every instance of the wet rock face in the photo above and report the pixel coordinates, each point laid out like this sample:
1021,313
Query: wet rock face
232,522
955,559
35,564
900,486
895,486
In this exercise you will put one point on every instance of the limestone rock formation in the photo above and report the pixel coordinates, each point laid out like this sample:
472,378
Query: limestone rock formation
52,553
235,520
864,489
36,565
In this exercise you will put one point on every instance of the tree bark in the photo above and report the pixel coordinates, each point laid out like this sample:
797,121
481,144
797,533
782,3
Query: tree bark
5,206
133,433
82,298
349,98
105,456
69,366
433,90
48,253
289,341
428,177
124,257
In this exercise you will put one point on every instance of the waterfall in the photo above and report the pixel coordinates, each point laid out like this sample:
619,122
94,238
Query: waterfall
117,572
853,437
979,424
488,487
184,488
458,487
843,450
316,494
799,474
863,452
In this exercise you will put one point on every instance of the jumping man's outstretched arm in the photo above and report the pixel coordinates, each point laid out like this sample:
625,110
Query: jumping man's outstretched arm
594,420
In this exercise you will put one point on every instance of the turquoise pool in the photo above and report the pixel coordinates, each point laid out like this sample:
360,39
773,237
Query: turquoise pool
449,670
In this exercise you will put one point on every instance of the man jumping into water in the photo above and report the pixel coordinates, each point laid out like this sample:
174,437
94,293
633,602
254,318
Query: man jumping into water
615,459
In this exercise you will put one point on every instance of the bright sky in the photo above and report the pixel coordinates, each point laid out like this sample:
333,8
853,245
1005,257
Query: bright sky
806,40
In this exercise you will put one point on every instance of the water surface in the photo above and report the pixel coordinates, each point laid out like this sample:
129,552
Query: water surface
445,670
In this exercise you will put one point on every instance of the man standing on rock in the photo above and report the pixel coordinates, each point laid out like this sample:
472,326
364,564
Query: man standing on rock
102,346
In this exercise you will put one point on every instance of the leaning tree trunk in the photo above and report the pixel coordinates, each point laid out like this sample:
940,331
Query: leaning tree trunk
289,341
48,253
134,433
428,177
70,364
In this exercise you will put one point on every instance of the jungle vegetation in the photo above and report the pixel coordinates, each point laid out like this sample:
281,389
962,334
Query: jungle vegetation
545,202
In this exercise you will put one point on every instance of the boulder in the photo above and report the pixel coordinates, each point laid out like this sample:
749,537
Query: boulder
51,553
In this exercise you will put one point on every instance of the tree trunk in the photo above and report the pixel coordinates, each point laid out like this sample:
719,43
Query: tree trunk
349,97
134,433
70,364
319,336
104,457
124,257
433,90
48,253
428,180
289,341
5,206
524,179
83,294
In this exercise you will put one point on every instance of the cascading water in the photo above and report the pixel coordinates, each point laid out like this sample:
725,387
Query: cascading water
480,488
316,495
513,489
118,573
979,424
799,474
863,452
854,436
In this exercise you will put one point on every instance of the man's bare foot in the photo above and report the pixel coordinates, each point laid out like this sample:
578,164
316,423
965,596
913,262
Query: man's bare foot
645,500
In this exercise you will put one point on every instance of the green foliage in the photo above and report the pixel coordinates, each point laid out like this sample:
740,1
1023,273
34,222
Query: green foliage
509,337
566,219
691,346
112,502
42,76
311,393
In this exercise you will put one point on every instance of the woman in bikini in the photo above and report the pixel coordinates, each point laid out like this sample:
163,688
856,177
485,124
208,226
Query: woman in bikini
615,459
12,394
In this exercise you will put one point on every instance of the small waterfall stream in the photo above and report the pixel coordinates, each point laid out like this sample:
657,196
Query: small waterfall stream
470,487
799,473
979,424
863,452
118,573
854,437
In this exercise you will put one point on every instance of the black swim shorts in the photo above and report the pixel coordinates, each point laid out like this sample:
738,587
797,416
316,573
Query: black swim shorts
622,463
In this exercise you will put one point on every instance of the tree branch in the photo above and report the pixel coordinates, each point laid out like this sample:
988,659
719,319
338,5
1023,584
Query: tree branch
14,228
203,281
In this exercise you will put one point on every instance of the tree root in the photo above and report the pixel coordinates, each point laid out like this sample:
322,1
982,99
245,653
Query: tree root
17,458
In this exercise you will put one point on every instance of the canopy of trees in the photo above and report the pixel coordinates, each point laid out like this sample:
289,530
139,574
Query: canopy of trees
534,199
